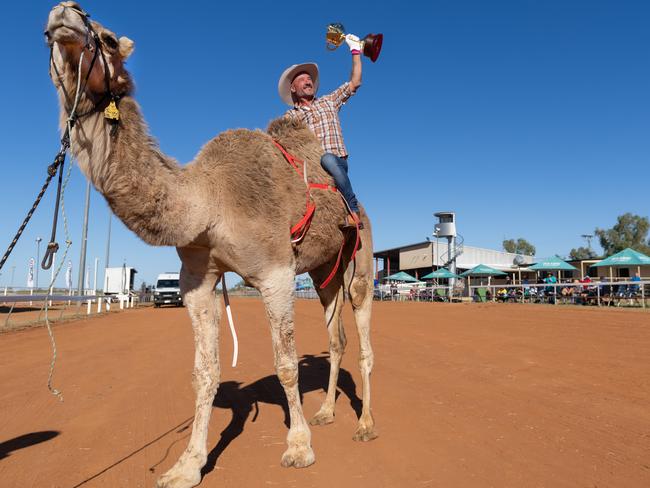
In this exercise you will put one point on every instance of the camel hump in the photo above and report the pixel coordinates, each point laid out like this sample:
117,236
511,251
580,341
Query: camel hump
292,133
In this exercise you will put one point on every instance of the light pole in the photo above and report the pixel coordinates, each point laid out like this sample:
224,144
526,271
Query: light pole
38,258
431,244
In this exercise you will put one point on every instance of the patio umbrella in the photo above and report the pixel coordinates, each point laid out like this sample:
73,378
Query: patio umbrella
481,270
554,263
401,276
627,257
440,273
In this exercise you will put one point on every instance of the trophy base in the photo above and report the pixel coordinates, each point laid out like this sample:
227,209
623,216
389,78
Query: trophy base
372,46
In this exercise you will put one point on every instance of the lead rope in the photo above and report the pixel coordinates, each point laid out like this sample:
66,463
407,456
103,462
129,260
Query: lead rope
68,242
233,332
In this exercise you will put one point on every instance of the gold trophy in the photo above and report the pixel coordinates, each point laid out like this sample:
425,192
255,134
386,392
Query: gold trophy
370,45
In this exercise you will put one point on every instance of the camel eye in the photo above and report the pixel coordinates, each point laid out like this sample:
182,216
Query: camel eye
110,42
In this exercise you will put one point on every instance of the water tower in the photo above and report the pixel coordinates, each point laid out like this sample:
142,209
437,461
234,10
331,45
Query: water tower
446,227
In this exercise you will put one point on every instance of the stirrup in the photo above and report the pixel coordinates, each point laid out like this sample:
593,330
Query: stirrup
349,224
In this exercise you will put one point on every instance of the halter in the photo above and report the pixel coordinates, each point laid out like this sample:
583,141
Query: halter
97,50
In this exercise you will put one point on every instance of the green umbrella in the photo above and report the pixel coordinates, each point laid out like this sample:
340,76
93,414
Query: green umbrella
401,276
440,273
627,257
483,270
552,264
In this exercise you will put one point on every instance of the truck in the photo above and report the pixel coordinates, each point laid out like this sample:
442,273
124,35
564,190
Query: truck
167,291
119,281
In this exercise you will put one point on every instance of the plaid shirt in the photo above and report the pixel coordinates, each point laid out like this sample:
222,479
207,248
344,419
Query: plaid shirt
322,117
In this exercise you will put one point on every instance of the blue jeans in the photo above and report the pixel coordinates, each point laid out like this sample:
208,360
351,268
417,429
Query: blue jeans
338,168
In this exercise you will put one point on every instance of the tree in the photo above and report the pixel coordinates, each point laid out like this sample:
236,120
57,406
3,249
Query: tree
581,253
240,285
519,246
630,231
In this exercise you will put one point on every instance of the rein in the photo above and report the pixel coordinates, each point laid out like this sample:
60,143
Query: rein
110,112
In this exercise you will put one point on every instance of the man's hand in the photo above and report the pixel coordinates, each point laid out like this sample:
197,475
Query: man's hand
354,43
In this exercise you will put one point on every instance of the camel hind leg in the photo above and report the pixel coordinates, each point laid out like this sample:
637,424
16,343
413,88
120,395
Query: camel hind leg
359,275
332,300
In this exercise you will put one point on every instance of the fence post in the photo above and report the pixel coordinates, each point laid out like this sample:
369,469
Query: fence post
598,294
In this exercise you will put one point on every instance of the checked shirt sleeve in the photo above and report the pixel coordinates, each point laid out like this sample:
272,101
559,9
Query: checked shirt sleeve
341,95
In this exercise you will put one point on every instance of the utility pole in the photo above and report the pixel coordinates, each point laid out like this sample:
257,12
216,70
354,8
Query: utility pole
108,250
95,278
84,239
38,258
588,238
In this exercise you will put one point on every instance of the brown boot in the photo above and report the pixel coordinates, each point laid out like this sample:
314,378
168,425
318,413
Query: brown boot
350,222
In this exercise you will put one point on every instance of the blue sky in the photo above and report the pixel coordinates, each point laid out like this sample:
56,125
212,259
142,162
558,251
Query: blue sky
528,118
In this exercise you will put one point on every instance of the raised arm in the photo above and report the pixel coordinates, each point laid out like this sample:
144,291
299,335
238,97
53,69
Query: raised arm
355,48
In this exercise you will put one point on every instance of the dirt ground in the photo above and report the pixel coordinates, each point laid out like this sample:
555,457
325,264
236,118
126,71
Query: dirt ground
464,395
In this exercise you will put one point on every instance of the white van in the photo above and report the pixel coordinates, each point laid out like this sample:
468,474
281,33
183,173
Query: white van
167,291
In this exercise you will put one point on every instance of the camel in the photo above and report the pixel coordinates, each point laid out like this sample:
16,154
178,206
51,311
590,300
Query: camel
230,209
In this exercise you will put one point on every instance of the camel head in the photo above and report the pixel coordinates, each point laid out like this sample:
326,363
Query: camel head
70,33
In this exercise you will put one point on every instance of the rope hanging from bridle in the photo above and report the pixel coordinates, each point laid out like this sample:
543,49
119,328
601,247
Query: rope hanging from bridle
59,160
58,165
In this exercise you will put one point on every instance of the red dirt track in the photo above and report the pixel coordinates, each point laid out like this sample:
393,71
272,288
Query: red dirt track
464,395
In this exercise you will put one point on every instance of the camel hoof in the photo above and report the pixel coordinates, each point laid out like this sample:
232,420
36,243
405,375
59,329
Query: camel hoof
298,457
322,418
364,434
172,479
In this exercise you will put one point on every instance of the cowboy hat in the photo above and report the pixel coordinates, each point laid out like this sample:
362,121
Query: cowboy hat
284,85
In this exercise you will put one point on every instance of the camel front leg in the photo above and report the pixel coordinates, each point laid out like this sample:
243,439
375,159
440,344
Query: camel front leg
277,292
205,310
332,300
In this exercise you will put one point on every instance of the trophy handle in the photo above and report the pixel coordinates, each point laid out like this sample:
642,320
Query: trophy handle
334,48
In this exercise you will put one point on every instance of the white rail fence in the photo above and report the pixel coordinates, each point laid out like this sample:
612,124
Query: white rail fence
63,302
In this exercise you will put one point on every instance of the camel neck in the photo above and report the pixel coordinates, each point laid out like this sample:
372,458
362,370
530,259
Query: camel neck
143,187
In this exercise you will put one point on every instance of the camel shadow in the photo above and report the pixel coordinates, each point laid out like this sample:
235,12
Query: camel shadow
6,309
243,400
26,440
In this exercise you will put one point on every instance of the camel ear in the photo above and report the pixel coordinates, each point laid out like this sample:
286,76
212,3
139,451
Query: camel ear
126,47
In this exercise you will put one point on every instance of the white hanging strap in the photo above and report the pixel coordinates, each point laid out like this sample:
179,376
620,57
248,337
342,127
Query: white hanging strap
233,332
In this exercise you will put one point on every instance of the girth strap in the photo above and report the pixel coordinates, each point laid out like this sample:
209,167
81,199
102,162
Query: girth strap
299,230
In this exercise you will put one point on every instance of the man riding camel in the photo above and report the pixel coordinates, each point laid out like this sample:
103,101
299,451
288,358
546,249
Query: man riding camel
297,87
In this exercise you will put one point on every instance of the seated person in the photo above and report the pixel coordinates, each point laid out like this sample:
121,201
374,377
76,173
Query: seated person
502,294
567,291
634,289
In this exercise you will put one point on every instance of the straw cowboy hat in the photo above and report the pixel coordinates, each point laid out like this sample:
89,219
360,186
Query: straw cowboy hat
284,85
